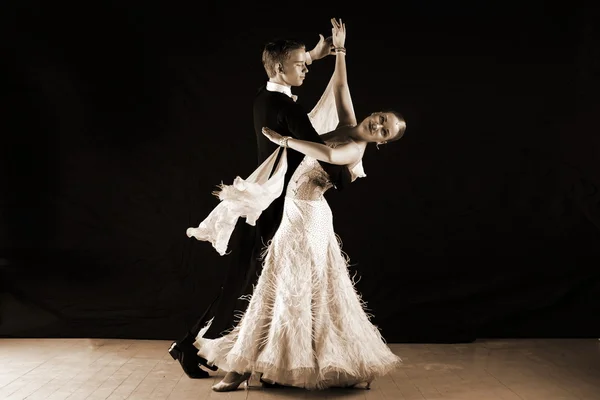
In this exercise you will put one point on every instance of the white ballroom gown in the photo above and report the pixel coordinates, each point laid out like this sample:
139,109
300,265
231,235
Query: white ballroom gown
305,324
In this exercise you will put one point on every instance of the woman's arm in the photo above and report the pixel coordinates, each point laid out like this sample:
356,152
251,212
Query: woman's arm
341,155
341,90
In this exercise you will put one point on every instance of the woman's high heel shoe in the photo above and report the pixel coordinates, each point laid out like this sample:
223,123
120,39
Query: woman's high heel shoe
233,385
366,387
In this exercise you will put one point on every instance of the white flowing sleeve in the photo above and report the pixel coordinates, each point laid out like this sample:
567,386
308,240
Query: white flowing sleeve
324,116
244,198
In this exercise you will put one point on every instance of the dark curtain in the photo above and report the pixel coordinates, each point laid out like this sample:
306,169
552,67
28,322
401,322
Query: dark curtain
121,118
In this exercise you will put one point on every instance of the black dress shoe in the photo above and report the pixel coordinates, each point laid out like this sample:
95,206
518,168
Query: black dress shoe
190,362
191,352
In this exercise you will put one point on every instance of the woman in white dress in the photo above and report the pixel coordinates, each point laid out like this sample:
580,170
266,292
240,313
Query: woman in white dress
305,325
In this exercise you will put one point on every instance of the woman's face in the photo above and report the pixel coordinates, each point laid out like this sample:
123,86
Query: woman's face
380,127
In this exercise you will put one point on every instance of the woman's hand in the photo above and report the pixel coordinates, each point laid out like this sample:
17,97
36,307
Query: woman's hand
272,135
338,33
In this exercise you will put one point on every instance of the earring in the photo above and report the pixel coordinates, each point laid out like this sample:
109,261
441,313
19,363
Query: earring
377,146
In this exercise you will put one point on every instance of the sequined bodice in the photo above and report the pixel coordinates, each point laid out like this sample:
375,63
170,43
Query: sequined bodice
309,181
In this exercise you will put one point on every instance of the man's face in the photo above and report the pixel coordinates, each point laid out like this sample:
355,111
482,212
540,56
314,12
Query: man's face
294,68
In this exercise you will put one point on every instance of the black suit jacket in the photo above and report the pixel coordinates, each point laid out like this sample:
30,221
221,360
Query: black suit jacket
279,112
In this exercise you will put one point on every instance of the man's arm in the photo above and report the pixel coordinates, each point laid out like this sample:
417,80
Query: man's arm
323,48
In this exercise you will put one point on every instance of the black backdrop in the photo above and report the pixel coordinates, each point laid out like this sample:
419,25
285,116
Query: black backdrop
120,119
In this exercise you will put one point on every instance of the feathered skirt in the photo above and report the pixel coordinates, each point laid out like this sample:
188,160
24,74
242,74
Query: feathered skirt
305,325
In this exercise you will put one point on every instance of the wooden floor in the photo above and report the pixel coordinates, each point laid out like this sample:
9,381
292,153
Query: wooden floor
548,369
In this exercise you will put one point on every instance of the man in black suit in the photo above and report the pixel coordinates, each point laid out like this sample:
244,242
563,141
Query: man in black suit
274,107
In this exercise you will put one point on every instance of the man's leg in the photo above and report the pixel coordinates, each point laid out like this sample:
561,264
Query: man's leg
184,351
241,275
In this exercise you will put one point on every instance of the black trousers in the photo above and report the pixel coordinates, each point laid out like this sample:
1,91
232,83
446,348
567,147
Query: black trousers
244,265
